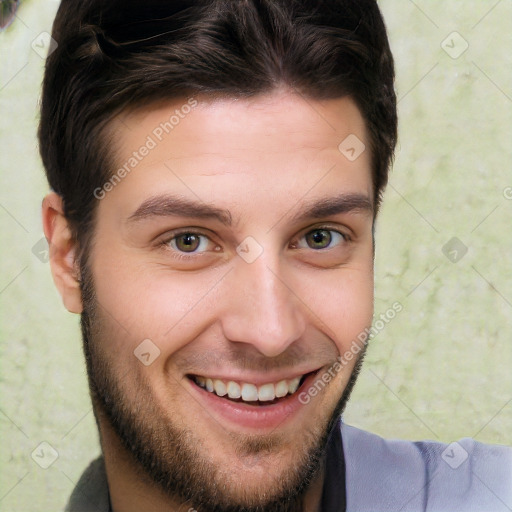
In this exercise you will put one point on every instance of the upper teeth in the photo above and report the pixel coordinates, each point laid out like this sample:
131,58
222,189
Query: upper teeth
249,392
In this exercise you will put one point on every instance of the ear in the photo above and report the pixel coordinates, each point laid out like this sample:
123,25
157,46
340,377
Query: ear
62,252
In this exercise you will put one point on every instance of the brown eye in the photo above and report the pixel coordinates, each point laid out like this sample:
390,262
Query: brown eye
188,242
319,239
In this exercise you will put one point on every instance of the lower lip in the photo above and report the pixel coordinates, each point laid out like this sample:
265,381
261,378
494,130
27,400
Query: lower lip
261,417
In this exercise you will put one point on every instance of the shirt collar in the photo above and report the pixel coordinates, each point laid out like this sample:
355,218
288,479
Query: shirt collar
334,492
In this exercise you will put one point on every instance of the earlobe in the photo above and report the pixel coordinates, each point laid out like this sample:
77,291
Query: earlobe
62,252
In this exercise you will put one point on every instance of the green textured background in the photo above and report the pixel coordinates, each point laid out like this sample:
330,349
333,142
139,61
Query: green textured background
440,370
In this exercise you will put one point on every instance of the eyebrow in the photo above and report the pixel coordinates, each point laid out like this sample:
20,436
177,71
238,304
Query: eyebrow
170,205
342,203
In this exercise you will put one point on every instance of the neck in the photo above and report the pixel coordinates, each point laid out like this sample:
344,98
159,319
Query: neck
313,497
130,488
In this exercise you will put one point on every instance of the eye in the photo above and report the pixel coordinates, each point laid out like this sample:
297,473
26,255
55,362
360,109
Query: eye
321,239
189,242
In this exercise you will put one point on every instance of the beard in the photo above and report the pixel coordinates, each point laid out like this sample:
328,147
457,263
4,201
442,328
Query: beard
173,457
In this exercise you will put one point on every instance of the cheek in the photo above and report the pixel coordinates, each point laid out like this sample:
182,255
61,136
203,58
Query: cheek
151,301
343,300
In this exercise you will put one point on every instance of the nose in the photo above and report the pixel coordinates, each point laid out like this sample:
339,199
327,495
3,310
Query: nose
261,308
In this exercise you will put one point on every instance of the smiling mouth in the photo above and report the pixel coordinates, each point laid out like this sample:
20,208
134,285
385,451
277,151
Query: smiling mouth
266,394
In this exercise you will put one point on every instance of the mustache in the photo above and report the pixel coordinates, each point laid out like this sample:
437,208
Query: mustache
249,359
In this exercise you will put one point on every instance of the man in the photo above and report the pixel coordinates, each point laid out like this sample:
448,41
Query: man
217,168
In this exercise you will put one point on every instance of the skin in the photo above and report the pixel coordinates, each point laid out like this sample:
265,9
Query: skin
263,160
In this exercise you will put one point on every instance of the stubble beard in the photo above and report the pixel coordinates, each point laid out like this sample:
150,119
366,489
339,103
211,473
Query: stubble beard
173,457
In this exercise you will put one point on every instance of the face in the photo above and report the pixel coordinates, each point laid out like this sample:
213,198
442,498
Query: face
231,266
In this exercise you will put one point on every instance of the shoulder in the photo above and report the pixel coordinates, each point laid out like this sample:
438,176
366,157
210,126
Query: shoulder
91,492
390,475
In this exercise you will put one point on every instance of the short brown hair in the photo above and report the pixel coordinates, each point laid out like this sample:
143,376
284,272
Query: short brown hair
121,54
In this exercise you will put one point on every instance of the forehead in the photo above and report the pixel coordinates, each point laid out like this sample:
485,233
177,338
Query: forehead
277,147
305,122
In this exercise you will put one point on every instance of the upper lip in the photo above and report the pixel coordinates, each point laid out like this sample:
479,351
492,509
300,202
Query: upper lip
257,379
